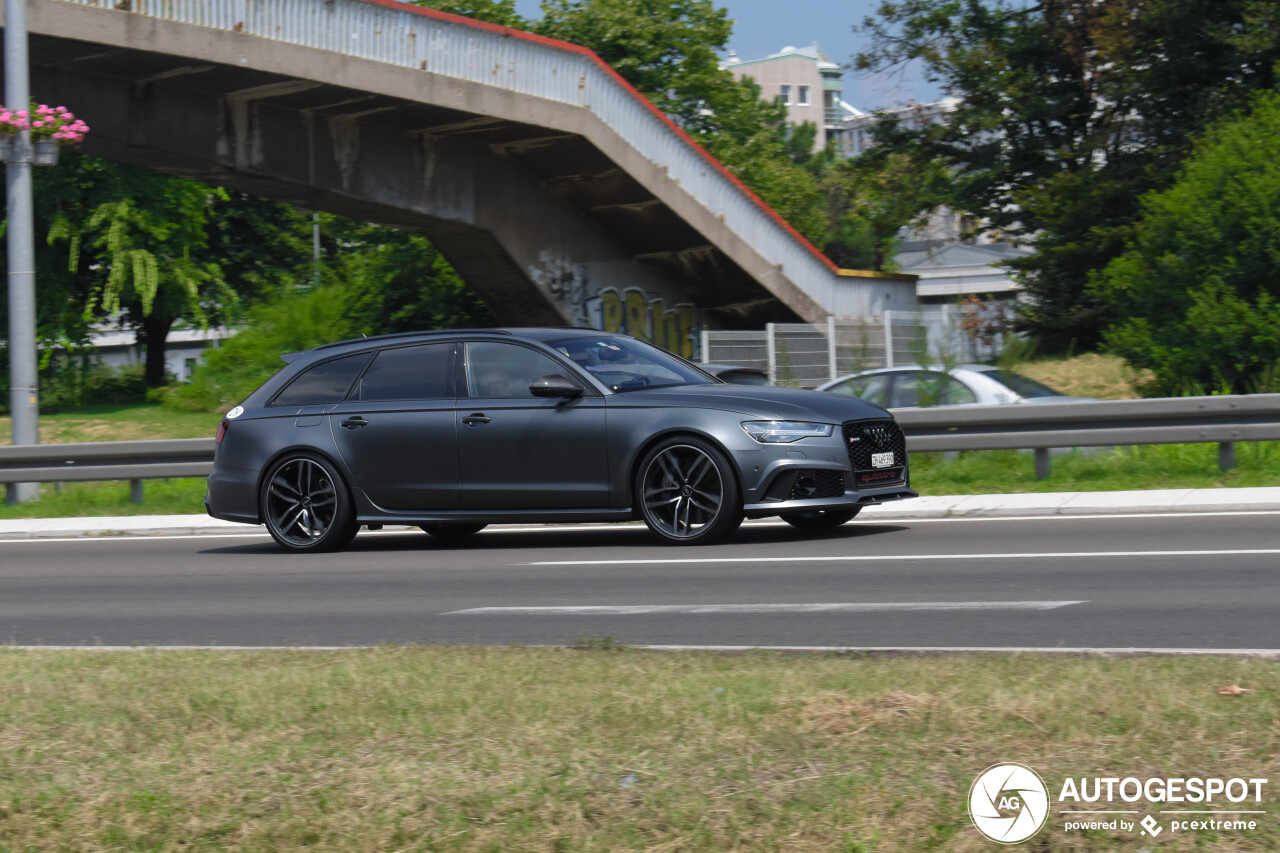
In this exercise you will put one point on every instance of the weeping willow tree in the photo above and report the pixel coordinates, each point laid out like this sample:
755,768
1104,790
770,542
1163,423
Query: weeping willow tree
141,239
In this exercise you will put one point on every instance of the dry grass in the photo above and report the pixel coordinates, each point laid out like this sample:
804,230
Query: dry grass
488,749
1106,377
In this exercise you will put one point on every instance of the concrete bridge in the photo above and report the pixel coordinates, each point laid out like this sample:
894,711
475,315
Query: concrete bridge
558,192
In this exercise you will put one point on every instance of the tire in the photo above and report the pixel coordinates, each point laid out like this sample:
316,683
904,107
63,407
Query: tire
306,505
687,493
820,519
452,531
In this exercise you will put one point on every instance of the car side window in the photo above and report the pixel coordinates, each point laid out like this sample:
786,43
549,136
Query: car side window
956,393
505,370
906,391
873,388
325,383
408,373
930,388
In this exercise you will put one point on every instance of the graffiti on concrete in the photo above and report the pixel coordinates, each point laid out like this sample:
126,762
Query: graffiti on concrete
630,311
633,312
567,282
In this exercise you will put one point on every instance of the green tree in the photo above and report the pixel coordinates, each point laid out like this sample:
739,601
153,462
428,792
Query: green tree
1196,282
870,198
667,50
148,237
493,11
396,281
1068,112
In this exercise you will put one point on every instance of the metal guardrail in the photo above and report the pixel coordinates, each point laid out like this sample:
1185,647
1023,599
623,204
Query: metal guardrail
1028,426
134,461
1098,423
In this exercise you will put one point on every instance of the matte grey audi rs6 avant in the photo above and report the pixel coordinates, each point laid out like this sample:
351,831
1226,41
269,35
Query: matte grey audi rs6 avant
459,429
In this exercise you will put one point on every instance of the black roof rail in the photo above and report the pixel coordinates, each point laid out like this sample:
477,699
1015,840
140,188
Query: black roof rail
394,335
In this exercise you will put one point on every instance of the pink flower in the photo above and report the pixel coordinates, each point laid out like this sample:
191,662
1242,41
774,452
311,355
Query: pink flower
22,114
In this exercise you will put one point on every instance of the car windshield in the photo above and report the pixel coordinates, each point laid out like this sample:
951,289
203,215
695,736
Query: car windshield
625,364
1021,385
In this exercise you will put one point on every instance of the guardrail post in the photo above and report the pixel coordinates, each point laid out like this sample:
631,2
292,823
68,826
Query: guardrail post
1226,455
135,491
1042,463
771,344
888,338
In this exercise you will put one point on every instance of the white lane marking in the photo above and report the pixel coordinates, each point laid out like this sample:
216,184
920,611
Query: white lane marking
848,607
913,650
1083,516
948,650
885,557
555,528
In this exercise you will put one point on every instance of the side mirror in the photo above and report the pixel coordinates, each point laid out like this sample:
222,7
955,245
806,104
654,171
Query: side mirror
555,385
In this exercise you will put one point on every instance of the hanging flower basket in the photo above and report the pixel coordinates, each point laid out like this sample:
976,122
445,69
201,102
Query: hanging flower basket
50,129
44,152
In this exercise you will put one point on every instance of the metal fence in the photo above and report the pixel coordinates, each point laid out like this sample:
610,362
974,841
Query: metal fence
1103,423
801,355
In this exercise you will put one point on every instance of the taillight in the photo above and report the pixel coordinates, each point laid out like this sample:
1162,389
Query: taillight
222,431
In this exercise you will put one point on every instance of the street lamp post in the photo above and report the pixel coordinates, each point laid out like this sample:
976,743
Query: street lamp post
23,384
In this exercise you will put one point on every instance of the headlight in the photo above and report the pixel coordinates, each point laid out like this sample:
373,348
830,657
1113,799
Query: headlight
784,432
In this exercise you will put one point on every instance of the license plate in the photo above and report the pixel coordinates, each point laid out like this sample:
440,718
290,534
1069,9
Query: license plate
881,460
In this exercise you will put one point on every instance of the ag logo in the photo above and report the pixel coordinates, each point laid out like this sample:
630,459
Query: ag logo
1008,803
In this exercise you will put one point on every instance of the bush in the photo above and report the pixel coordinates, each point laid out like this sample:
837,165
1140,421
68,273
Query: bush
243,362
69,385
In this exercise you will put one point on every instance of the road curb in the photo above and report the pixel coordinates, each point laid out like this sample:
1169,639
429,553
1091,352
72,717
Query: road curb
959,507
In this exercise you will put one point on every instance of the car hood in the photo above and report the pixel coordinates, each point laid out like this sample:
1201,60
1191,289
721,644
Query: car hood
772,403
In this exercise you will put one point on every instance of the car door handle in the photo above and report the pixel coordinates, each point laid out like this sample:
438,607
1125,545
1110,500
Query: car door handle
355,422
476,418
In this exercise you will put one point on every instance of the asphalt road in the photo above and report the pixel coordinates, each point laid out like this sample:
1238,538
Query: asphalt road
1193,581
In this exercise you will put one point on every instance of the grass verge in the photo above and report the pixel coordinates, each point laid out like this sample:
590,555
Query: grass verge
491,749
181,496
1167,466
133,422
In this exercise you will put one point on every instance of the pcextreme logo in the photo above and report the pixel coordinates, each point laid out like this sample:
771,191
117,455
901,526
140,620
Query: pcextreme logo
1010,802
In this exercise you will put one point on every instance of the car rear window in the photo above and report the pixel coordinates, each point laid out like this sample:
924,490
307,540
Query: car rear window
325,383
408,373
1021,385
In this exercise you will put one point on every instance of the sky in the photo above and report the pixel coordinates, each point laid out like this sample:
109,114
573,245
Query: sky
763,27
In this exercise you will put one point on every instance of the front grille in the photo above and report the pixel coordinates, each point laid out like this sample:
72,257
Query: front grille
863,438
816,484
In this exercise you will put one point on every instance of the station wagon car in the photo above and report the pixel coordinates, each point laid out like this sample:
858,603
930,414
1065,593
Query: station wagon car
455,430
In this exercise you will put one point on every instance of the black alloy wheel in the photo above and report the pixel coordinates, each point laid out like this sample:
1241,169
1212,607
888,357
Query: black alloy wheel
820,519
687,493
306,506
452,530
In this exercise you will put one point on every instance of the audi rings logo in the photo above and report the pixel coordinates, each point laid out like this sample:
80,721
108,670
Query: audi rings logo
1008,803
879,435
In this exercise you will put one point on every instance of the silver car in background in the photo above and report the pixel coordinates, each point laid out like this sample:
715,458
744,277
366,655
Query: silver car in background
910,386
